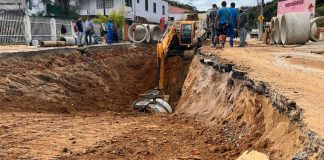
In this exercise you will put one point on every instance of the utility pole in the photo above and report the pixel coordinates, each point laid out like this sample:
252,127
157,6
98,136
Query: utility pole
261,22
104,6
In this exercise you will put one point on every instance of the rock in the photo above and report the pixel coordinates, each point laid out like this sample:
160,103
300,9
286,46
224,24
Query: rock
213,149
65,150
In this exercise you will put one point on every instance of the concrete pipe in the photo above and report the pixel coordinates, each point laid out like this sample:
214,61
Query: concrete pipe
155,32
272,28
139,34
69,41
313,32
295,28
148,36
52,43
277,28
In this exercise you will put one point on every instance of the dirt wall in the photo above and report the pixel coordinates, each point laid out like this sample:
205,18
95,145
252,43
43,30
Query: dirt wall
95,79
245,119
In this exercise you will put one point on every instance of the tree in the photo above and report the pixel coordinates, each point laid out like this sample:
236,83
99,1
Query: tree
115,16
188,6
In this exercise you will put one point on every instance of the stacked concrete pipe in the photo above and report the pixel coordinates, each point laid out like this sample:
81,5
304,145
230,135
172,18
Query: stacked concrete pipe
138,33
155,32
273,29
295,28
144,33
313,26
277,28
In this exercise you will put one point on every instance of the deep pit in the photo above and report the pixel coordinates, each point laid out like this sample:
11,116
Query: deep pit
79,104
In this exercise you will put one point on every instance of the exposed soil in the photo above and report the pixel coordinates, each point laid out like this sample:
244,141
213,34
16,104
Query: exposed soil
69,104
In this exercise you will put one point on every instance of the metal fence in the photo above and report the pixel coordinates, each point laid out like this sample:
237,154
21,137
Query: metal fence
19,29
41,28
12,29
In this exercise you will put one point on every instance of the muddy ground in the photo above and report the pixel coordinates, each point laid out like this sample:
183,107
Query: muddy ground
70,104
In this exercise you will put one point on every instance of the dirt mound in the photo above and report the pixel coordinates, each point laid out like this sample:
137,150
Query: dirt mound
96,79
245,118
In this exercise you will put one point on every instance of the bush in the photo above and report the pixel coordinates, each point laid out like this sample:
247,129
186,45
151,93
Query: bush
115,16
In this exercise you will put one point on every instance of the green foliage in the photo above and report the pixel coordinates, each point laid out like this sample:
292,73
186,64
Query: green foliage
182,5
115,16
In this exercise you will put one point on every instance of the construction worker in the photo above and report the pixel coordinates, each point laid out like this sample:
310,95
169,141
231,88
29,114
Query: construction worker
233,12
211,21
89,29
242,24
222,24
110,33
79,28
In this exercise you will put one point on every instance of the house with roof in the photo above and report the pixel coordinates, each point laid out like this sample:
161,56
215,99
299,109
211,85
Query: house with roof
150,11
176,13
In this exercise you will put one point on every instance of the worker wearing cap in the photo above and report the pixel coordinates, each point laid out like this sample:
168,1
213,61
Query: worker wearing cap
222,23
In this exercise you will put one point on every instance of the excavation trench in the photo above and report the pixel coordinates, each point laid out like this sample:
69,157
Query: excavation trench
234,112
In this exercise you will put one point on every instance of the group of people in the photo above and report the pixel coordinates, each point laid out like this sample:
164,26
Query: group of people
223,21
110,30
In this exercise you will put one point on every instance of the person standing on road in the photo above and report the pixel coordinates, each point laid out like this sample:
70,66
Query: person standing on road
88,31
79,28
233,19
211,21
222,24
242,24
110,33
115,30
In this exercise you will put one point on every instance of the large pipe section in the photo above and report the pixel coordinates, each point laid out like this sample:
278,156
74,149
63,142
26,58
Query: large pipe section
295,28
69,41
144,33
273,28
313,26
277,28
52,43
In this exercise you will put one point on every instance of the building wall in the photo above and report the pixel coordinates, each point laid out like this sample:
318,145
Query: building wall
88,7
176,16
12,4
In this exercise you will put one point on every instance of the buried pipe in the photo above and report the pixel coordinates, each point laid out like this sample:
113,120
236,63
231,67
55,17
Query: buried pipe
138,33
52,43
313,26
69,41
295,28
277,28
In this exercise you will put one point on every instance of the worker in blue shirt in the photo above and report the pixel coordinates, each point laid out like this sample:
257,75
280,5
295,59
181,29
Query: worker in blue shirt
233,18
110,34
222,24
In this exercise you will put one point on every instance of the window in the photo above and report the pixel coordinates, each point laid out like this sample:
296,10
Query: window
163,10
154,7
128,3
108,4
146,5
137,1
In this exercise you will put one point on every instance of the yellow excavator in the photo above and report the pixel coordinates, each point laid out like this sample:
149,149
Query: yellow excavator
181,38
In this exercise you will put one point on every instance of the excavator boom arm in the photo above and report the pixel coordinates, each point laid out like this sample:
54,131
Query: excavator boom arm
162,50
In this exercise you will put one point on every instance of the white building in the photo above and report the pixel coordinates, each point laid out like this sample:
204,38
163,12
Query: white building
151,10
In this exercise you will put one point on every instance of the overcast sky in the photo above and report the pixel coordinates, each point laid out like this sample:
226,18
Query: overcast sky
206,4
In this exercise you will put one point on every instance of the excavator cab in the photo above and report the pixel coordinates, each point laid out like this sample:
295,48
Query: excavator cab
186,34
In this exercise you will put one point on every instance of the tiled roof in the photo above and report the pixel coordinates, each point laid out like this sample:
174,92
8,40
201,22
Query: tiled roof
173,9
